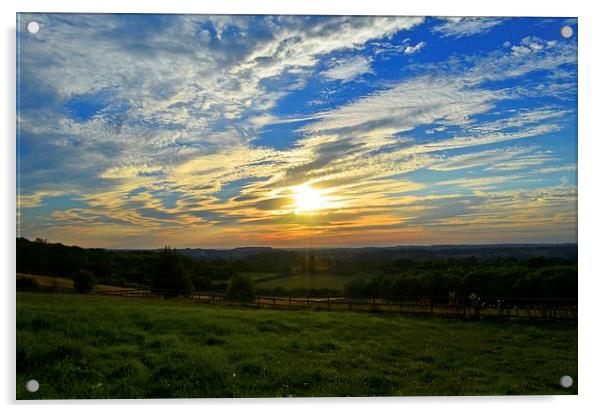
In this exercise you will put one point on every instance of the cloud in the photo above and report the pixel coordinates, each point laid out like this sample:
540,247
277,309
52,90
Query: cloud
183,86
450,96
486,182
498,157
414,49
556,169
531,44
504,65
402,107
349,69
457,27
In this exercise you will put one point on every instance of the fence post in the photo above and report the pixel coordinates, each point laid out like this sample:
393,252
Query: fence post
328,303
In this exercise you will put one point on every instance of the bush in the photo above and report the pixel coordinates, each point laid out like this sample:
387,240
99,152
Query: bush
83,281
241,288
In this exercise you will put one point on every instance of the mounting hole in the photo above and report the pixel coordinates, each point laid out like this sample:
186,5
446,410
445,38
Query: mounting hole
32,386
566,32
566,381
33,27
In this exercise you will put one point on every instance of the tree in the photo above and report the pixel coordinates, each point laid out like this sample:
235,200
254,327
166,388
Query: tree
169,278
83,281
356,288
311,267
201,283
241,288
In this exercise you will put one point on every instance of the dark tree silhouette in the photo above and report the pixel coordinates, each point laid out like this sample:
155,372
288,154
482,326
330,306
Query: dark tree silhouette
83,281
169,277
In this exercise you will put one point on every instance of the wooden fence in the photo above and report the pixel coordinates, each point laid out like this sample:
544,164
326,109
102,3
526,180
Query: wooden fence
501,308
486,307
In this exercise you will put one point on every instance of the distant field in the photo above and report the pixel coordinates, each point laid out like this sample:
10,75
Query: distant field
58,282
81,346
312,281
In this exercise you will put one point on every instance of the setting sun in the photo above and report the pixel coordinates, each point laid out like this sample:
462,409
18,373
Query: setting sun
308,199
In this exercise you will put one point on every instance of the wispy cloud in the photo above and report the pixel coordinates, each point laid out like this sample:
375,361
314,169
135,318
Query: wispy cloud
402,107
466,26
349,69
504,159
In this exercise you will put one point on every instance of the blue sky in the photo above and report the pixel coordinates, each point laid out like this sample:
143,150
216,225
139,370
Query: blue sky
292,131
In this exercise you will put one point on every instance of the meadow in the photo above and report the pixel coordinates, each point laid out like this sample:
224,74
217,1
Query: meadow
63,283
291,282
80,346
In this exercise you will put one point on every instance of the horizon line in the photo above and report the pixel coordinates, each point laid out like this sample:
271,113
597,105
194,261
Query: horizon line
506,244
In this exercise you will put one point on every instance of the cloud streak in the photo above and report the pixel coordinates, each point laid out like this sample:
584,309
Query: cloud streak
457,27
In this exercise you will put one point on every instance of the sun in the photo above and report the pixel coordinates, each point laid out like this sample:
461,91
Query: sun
308,199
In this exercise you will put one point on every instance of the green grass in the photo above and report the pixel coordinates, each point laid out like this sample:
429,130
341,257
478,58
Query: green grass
307,281
110,347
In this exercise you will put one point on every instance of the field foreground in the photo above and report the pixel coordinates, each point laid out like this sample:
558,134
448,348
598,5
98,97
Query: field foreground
80,346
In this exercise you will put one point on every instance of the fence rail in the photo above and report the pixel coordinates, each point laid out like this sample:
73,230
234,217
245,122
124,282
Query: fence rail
486,307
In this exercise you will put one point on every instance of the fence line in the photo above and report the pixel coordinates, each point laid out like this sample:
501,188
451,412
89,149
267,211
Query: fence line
486,307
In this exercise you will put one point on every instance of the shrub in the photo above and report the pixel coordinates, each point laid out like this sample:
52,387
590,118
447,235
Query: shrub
83,281
241,288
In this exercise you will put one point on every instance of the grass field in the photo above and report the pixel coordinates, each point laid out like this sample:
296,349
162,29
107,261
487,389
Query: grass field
80,346
58,282
306,281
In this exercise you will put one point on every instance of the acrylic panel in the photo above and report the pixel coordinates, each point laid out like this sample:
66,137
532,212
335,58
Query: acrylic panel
271,206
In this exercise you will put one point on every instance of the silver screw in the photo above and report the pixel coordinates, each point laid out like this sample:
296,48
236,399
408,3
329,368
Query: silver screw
566,32
32,386
33,27
566,381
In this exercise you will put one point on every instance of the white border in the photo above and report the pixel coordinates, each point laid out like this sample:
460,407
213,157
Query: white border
590,175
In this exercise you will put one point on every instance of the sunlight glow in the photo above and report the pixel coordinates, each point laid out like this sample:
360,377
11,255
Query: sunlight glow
308,199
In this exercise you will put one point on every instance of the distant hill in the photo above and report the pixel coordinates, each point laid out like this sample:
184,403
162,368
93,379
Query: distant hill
518,251
231,254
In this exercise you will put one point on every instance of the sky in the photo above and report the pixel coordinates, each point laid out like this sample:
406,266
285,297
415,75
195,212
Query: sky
139,131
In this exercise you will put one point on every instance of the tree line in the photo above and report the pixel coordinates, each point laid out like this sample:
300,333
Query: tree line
167,271
534,277
161,270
